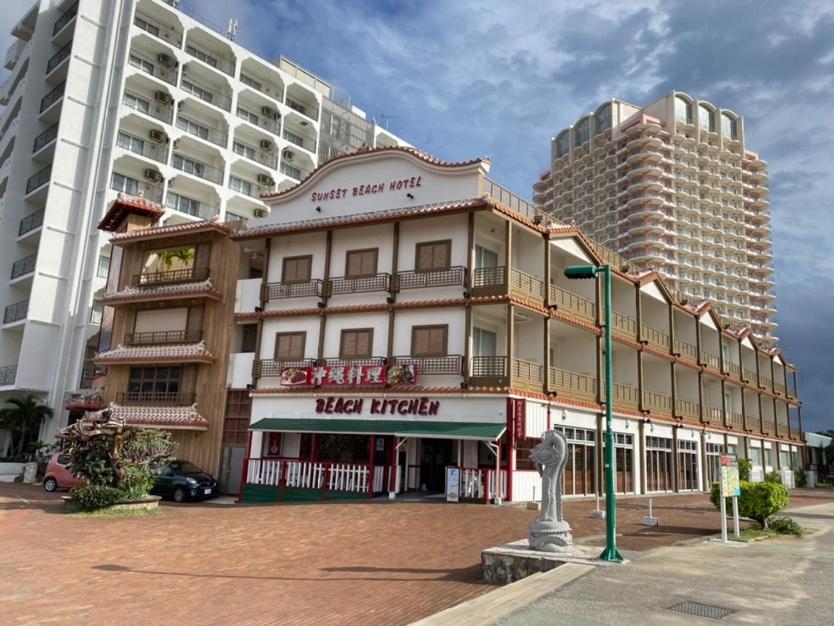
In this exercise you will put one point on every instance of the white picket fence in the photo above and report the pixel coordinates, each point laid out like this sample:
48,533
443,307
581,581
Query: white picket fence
312,475
472,483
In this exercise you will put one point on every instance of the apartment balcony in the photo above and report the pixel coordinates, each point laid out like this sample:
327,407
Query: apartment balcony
293,171
626,396
155,279
201,131
779,388
493,280
256,155
205,93
307,110
24,266
152,66
687,409
713,415
8,375
748,375
264,120
306,289
195,168
16,312
450,364
347,285
45,138
173,398
63,21
657,402
161,31
132,187
38,180
343,362
572,384
300,141
735,420
768,427
210,58
765,383
148,149
527,374
654,336
413,279
157,110
569,302
708,359
733,369
58,58
31,222
273,367
624,324
163,337
488,370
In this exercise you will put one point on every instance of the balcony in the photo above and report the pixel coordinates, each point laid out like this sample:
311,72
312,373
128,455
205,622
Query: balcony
765,383
528,374
768,427
708,359
163,337
687,409
24,266
45,138
148,149
196,168
271,367
414,279
624,324
653,401
309,289
347,361
152,67
16,312
298,140
735,420
306,110
210,58
654,336
153,279
206,94
748,375
450,364
779,388
254,154
38,180
345,285
564,300
734,369
267,121
59,57
572,384
293,171
713,415
65,19
30,222
626,396
526,286
157,110
171,398
490,367
8,374
200,130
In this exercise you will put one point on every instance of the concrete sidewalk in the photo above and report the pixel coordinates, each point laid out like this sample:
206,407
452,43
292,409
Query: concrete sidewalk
779,581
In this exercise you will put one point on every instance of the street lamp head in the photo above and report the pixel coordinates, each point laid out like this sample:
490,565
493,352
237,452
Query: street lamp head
578,272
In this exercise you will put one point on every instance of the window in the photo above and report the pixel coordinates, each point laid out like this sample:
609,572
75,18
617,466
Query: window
144,25
356,343
194,90
729,127
658,464
683,110
183,204
103,266
96,312
582,132
296,269
192,127
249,338
687,466
290,346
135,102
562,144
429,340
125,184
142,64
293,137
247,115
243,150
361,263
189,166
155,379
250,82
205,58
238,412
434,255
484,342
131,143
238,184
485,257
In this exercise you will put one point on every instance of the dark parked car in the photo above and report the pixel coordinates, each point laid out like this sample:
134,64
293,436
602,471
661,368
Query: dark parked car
183,481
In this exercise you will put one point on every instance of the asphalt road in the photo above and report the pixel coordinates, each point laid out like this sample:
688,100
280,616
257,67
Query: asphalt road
782,581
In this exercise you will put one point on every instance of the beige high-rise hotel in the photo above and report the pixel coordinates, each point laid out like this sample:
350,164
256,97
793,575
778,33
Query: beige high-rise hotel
672,186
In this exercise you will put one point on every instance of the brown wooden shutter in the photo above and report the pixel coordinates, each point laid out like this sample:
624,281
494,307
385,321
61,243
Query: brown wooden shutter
297,269
429,340
361,263
433,255
356,343
424,257
289,346
420,343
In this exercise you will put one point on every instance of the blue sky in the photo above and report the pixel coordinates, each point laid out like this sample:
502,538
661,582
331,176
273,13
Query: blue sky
462,79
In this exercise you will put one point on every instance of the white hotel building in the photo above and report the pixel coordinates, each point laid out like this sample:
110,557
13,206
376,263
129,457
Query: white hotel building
136,97
394,315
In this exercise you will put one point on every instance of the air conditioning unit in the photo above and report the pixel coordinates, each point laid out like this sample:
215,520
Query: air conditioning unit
164,98
268,112
266,145
288,155
166,60
258,212
263,179
153,175
158,136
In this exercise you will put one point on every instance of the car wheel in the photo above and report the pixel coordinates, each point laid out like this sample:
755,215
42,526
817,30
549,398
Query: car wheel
50,484
180,495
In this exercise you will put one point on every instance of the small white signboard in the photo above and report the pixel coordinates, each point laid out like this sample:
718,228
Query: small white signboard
452,484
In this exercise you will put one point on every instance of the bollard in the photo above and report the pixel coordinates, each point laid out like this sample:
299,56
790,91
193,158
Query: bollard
650,519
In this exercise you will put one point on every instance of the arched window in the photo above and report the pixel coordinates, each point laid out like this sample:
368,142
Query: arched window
562,144
683,110
582,131
706,118
729,126
603,118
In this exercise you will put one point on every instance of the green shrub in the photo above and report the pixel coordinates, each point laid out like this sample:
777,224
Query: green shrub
800,477
773,477
137,482
758,501
785,526
94,497
744,467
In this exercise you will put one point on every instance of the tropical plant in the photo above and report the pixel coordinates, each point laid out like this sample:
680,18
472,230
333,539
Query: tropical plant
773,477
23,418
785,526
93,497
184,255
744,467
800,476
758,501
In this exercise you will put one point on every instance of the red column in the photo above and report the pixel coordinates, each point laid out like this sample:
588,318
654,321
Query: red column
371,459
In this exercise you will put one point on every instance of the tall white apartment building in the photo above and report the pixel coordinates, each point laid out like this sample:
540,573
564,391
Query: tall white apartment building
135,97
671,186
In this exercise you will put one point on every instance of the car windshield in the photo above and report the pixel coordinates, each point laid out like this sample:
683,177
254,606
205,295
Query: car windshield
185,467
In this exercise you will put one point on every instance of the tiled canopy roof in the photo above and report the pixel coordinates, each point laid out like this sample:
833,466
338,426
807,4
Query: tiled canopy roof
163,292
174,417
124,205
188,353
167,231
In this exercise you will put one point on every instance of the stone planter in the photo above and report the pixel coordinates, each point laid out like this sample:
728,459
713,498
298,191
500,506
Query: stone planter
10,471
145,504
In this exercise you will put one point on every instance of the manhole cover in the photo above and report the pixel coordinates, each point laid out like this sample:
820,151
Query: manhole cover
701,610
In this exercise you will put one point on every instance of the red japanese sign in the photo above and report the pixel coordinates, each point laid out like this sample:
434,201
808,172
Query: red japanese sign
349,375
516,417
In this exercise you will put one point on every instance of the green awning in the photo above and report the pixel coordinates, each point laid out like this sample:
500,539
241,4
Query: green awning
400,428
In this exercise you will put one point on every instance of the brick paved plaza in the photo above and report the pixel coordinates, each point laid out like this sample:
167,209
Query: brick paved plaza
345,563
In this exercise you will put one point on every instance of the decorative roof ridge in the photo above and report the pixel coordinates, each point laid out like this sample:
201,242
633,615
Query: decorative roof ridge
173,229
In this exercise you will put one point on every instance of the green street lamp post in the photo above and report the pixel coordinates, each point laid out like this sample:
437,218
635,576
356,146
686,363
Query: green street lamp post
578,272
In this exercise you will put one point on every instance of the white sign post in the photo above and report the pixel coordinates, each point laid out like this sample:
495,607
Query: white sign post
730,487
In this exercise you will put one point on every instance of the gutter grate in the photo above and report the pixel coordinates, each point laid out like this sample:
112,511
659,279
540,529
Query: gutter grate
701,610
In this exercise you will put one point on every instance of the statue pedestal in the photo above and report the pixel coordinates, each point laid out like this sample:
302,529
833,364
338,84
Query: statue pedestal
514,561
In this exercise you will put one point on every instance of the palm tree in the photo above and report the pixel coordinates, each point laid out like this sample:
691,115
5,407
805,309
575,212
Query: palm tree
24,416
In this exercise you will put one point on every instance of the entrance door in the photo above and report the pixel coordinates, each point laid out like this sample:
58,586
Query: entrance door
231,465
435,455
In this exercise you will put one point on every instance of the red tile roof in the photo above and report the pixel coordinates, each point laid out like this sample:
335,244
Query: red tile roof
124,205
172,230
164,292
187,353
173,417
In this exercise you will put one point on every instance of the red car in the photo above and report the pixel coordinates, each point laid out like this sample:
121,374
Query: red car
58,475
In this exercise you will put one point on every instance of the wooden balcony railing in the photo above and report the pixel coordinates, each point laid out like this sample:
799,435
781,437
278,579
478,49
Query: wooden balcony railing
654,336
160,337
345,285
451,364
413,279
687,409
572,384
713,414
736,420
765,382
684,349
654,401
526,285
174,398
189,275
488,366
625,324
779,388
710,360
624,395
579,306
733,369
752,423
748,375
769,427
489,276
271,367
528,371
309,288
